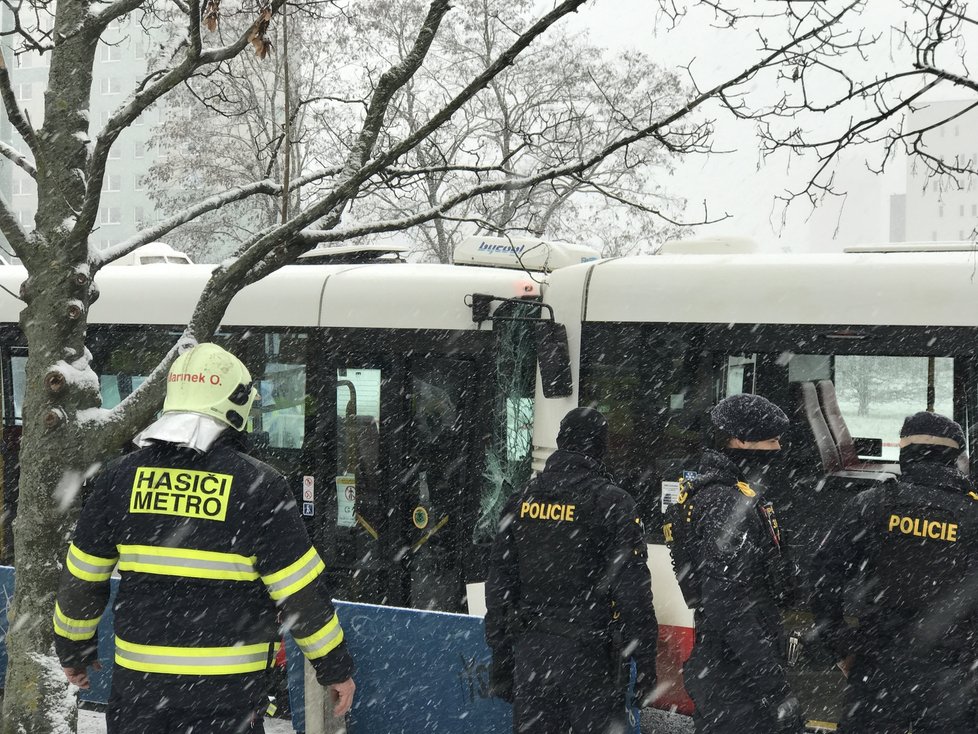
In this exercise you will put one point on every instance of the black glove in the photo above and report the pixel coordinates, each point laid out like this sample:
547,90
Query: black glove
644,682
501,675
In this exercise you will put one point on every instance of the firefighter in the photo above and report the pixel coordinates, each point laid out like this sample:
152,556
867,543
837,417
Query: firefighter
726,549
905,554
211,551
569,595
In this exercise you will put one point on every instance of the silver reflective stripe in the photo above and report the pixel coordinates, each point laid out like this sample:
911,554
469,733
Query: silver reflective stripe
180,562
89,567
281,585
211,661
85,629
311,650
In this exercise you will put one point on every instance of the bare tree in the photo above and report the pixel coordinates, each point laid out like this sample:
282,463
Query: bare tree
872,81
65,430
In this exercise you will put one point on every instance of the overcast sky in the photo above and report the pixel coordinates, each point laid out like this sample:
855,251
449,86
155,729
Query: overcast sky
738,184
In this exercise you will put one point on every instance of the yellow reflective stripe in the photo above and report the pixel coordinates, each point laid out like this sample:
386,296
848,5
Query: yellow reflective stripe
295,576
187,562
74,629
194,660
323,641
87,567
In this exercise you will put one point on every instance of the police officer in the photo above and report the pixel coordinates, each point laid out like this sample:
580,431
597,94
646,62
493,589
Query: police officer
569,594
726,549
211,552
907,553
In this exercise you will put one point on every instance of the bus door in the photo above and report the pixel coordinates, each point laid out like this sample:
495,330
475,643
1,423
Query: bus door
437,488
406,454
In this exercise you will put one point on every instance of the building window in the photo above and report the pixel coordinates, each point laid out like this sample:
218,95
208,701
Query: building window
961,210
974,210
109,215
112,183
114,153
21,187
139,149
139,217
940,210
138,184
960,235
111,53
110,85
24,90
957,130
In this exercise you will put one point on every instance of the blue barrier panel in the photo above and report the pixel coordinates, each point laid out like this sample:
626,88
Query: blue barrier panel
417,671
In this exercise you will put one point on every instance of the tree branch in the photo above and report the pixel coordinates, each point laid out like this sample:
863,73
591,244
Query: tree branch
14,113
267,187
18,158
12,230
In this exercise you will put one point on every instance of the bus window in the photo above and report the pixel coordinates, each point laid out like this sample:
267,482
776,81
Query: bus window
18,370
123,358
876,393
508,458
281,413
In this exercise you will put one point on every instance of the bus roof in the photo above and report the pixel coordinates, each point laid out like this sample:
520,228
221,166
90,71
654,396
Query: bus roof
418,296
913,289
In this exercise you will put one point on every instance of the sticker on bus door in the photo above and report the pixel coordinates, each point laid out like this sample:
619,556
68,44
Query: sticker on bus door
346,501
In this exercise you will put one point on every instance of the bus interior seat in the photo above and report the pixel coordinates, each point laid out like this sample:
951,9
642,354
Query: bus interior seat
818,429
842,436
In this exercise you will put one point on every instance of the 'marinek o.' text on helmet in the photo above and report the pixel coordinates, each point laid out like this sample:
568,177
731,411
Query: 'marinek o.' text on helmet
210,381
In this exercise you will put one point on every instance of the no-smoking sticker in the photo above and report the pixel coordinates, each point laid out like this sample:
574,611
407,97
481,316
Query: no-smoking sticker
308,489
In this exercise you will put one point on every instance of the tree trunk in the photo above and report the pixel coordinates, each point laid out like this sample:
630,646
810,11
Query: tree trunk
59,382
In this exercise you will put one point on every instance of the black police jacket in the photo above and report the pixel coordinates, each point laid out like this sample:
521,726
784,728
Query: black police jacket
570,559
905,556
213,559
737,543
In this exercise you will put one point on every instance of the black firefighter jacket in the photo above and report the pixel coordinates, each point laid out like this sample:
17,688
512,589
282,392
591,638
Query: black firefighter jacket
212,554
907,552
570,557
738,543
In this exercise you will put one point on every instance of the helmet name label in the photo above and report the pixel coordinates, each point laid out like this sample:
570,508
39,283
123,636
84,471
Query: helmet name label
180,492
212,379
922,528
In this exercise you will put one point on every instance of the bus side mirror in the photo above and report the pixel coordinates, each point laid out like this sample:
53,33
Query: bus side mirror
553,355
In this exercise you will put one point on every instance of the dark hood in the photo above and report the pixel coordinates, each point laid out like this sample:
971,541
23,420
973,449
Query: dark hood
569,468
935,474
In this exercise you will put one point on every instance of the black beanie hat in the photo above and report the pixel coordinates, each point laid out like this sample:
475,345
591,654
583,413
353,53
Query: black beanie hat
749,418
933,430
585,431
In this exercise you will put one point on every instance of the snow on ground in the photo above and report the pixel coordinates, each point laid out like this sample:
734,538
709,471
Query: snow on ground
93,722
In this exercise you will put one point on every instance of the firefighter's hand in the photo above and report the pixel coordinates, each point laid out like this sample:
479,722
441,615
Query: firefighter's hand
79,676
344,696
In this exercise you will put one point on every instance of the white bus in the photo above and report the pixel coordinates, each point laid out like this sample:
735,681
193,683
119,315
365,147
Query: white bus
395,415
847,344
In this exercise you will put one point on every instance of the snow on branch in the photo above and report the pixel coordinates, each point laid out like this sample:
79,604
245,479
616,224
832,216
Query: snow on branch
18,158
